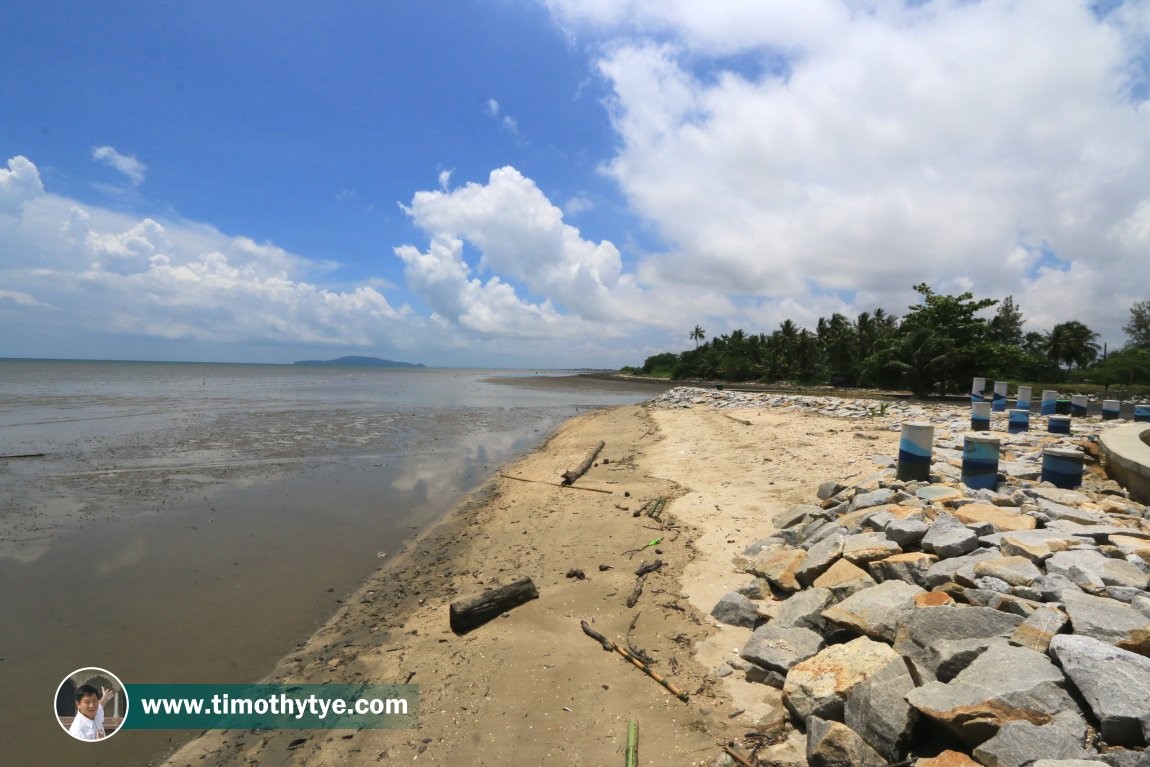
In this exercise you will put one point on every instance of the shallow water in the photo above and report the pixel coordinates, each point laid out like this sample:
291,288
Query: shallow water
192,523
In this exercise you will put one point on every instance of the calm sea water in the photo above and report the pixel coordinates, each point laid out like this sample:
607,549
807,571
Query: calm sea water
192,522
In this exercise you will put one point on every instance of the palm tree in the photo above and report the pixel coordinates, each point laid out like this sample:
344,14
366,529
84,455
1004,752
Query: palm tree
1072,343
697,335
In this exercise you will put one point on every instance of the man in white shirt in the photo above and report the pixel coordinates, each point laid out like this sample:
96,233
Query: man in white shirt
89,721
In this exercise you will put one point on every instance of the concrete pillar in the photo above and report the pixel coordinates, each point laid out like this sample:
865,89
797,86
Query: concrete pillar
1049,401
1058,424
1142,413
980,462
1023,402
1019,421
1078,405
1062,467
1110,408
914,449
980,416
999,400
976,389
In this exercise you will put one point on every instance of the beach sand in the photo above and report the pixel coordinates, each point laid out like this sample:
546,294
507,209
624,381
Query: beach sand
530,687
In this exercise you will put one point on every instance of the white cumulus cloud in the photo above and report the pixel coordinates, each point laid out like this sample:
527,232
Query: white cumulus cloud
128,165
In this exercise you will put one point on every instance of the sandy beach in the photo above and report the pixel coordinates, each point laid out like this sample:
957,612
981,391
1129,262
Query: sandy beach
530,687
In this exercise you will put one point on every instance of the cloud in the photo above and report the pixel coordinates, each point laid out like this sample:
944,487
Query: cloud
506,121
128,165
789,150
107,272
19,184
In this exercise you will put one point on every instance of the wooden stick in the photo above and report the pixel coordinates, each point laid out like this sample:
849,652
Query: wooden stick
737,420
633,744
22,455
739,758
552,484
609,646
637,591
571,475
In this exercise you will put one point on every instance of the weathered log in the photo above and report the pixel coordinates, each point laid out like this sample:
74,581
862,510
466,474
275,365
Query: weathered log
649,567
737,420
571,475
636,592
470,613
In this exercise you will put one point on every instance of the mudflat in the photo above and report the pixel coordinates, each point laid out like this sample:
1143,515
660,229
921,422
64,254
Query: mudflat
530,687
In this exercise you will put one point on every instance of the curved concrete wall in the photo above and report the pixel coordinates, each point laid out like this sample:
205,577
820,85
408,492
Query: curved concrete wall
1127,453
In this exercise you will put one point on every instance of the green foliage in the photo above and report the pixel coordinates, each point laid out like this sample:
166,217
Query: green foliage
937,347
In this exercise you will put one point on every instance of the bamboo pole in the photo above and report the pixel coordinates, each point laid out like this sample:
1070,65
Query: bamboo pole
552,484
633,744
609,645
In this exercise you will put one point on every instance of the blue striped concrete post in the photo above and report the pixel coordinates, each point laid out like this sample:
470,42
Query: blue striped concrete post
999,399
1019,421
1058,424
1110,408
1049,401
1023,402
980,462
1062,467
976,388
980,416
1142,413
914,448
1078,405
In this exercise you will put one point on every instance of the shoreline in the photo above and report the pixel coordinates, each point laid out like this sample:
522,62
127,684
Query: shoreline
530,687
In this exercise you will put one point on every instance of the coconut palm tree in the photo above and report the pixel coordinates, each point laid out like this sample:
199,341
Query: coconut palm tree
1072,343
697,335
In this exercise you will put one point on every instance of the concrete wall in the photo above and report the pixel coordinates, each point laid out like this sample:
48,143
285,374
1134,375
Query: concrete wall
1127,455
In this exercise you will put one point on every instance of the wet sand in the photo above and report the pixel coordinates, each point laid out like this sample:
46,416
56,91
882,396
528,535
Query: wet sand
202,546
530,687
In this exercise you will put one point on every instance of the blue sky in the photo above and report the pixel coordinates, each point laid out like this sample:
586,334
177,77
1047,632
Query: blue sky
557,183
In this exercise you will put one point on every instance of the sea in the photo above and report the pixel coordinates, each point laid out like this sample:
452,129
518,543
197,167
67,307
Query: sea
193,522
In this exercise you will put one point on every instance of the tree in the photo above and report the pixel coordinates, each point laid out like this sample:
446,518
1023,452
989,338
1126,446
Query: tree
1006,326
697,335
1072,343
1138,329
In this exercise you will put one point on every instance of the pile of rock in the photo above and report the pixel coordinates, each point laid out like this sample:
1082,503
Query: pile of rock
927,621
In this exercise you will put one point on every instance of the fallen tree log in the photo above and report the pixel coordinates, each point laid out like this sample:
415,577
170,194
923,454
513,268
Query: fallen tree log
473,612
571,475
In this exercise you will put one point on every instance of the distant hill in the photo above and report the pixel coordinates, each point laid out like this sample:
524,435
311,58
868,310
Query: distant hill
361,362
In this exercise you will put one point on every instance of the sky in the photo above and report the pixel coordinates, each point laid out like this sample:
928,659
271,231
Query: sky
557,183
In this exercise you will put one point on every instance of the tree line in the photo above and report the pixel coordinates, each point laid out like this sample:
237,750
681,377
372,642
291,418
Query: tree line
937,347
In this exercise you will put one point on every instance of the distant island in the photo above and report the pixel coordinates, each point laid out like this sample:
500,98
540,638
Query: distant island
361,362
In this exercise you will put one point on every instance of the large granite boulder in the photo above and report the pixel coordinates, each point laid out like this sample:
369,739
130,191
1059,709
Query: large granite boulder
877,709
877,611
833,744
735,609
1114,683
819,685
778,648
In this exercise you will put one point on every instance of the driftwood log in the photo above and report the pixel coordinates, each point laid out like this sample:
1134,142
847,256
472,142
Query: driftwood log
470,613
571,475
641,576
737,420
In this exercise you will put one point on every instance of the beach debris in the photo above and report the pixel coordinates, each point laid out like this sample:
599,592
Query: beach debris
609,646
473,612
649,544
571,475
641,575
22,455
737,420
578,574
632,758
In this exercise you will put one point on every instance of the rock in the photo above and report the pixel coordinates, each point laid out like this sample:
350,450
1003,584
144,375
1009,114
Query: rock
819,557
1114,683
764,544
877,709
1003,684
948,759
755,589
1052,587
997,585
1106,619
1019,743
1039,628
1003,520
932,493
862,548
844,579
877,611
1059,495
1016,571
778,566
1129,545
933,599
796,515
908,568
829,488
1100,570
1071,513
736,610
778,648
945,570
792,752
833,744
804,610
906,533
946,640
879,497
948,537
819,686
